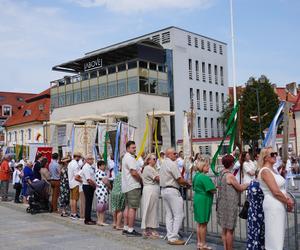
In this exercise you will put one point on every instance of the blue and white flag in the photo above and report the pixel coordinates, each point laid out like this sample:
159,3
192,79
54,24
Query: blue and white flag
270,139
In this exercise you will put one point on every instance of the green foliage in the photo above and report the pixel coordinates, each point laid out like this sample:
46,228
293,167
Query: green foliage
268,105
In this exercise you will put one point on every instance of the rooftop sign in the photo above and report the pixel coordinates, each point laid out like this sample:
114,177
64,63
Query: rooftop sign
97,63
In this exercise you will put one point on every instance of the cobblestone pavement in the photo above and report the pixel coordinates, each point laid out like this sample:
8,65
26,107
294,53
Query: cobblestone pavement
20,230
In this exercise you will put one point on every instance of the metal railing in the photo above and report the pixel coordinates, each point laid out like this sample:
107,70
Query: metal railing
213,229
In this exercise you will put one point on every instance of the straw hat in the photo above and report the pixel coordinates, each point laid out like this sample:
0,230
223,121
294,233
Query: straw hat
77,154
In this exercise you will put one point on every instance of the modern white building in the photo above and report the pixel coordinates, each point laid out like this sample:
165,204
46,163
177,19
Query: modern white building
196,75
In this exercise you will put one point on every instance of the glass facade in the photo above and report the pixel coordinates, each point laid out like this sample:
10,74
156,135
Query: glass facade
128,78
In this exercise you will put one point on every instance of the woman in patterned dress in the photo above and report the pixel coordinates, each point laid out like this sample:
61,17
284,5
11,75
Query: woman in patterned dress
64,197
255,221
103,185
117,201
227,201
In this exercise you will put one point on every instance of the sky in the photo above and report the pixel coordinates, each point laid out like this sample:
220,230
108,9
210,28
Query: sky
35,35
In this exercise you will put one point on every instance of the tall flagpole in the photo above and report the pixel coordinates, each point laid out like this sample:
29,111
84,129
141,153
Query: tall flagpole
233,54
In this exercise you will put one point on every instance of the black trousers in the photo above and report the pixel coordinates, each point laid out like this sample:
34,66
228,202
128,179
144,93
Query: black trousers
88,191
18,187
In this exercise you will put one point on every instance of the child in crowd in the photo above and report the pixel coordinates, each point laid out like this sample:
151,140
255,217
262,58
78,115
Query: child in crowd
17,181
103,184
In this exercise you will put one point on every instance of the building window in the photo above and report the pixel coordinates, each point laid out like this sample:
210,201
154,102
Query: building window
27,112
215,48
198,99
132,65
156,38
111,70
163,87
222,75
102,91
203,72
217,102
112,89
218,127
69,98
189,40
221,50
143,64
85,94
223,101
93,92
211,107
216,74
133,85
209,73
144,84
197,70
77,96
122,90
22,136
208,45
121,67
102,72
212,127
61,99
153,84
205,127
16,136
199,127
29,134
6,110
153,66
165,37
190,69
202,44
204,100
93,74
196,42
191,98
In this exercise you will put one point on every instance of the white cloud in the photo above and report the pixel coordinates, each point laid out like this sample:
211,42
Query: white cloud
129,6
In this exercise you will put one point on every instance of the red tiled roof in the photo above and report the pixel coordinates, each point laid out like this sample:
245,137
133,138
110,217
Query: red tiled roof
30,112
282,95
14,99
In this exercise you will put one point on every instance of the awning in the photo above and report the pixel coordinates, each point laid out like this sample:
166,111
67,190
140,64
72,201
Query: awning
115,114
160,113
53,123
72,120
92,118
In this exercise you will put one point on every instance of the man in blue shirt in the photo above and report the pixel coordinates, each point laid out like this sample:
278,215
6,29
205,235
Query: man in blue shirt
54,169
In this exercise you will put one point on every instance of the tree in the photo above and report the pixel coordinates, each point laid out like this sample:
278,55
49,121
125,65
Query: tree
258,100
255,89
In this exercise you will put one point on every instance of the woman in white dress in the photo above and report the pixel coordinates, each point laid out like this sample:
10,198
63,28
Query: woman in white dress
150,198
248,168
275,200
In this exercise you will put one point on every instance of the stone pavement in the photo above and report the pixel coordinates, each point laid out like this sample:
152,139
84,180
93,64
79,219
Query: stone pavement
20,230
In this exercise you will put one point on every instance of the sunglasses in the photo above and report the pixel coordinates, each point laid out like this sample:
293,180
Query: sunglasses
273,154
154,159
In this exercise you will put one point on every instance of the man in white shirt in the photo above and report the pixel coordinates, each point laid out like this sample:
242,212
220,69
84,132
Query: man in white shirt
140,162
170,182
131,186
88,186
73,169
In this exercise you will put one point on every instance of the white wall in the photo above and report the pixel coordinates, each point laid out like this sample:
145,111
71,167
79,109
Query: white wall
135,105
36,128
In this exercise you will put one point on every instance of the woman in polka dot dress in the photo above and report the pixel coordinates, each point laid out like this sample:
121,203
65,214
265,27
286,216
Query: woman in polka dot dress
103,185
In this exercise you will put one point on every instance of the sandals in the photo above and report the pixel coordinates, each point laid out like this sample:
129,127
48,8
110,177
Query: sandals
203,247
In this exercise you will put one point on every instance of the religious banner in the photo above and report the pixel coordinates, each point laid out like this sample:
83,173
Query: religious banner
112,139
46,152
61,135
186,137
101,137
84,139
124,138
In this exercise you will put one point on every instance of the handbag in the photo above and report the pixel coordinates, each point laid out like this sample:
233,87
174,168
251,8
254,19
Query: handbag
244,212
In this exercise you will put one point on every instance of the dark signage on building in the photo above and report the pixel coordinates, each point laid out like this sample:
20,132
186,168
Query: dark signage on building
97,63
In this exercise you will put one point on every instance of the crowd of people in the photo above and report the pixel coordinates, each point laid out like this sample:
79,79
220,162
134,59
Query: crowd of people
140,181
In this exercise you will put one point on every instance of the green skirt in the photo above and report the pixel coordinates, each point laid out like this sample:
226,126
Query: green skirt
202,207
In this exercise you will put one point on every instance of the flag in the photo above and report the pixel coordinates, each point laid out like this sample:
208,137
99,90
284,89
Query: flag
270,139
143,143
231,132
186,137
105,148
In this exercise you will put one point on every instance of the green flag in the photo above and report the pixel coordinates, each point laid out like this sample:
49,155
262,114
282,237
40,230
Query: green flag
105,148
231,132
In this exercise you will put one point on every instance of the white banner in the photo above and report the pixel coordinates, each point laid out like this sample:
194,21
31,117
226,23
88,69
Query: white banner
84,139
186,138
101,137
